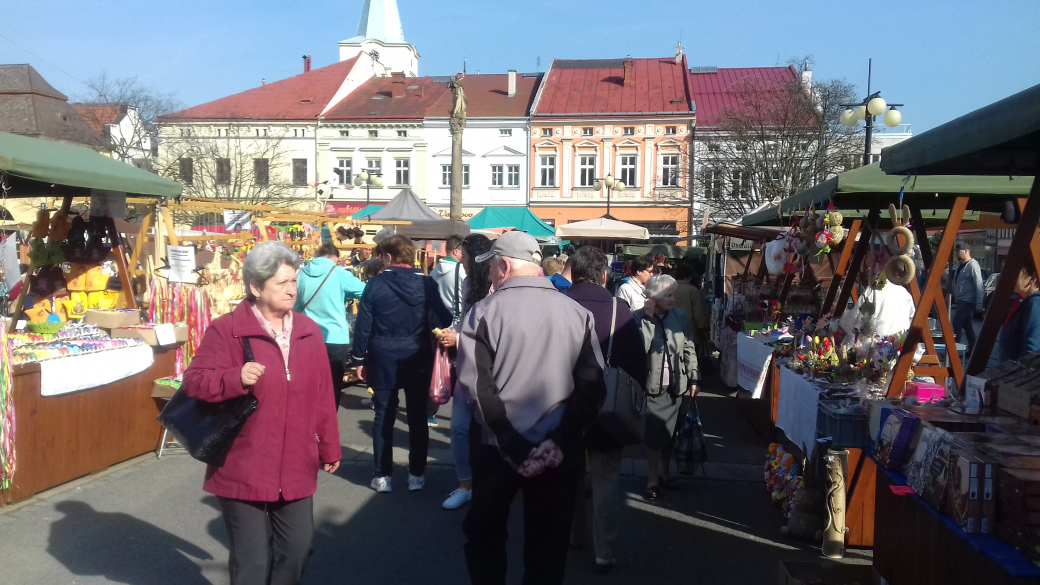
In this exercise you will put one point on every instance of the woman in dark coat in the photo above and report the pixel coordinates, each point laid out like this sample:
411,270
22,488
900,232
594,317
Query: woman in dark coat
1021,332
268,480
393,349
589,273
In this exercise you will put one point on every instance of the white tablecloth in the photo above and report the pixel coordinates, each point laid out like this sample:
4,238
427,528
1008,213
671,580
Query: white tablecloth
752,364
796,410
79,372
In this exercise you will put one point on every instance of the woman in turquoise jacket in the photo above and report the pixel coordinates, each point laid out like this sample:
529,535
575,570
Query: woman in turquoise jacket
323,290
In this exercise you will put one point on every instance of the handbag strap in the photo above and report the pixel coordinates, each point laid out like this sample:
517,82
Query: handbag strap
316,291
456,304
248,349
613,322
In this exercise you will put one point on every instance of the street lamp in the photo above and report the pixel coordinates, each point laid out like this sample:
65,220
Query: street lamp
611,185
872,106
370,178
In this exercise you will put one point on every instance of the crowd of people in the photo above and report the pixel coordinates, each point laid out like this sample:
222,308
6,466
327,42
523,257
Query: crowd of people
528,339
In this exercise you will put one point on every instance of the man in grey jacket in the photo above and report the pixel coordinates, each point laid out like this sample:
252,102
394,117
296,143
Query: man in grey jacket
967,293
449,274
530,364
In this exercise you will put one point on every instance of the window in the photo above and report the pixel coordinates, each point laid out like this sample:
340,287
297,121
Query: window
261,172
586,131
373,133
344,171
402,134
222,132
628,169
374,164
223,171
513,177
299,132
344,133
497,175
261,132
185,131
546,131
740,184
299,172
547,170
505,132
446,175
669,129
586,170
669,170
401,171
187,171
713,183
628,131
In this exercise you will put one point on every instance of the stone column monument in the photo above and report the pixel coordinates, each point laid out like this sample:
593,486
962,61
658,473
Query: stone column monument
457,123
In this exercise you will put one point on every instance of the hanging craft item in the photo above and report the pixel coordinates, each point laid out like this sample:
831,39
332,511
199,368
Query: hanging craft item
900,268
7,426
776,256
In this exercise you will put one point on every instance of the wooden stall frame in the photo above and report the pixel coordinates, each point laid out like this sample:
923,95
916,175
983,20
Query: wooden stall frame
841,271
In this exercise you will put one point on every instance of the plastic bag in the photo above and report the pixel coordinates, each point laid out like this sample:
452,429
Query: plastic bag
690,449
440,382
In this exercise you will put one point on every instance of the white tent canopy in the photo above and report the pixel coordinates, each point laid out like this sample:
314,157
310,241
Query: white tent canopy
602,229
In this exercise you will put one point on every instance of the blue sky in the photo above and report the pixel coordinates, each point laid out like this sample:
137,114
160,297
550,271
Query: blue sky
940,58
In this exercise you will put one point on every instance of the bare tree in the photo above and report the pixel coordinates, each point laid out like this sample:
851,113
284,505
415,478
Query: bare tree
112,98
780,139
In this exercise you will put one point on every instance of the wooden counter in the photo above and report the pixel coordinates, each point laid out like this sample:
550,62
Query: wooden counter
61,438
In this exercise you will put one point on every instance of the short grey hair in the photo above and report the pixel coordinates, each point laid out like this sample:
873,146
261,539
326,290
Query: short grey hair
263,261
659,285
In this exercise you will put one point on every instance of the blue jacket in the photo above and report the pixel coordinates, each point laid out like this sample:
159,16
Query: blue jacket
1021,333
393,331
328,308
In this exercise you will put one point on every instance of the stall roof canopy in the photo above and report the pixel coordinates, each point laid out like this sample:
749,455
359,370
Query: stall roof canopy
365,211
666,250
869,186
406,206
744,232
1001,139
519,218
602,229
55,163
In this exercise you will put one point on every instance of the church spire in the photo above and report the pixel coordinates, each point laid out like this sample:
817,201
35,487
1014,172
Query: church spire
380,37
380,21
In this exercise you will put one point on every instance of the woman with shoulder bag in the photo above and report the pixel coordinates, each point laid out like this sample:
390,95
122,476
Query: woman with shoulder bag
673,374
268,480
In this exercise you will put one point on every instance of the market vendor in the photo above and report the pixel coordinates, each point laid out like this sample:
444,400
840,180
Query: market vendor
1020,334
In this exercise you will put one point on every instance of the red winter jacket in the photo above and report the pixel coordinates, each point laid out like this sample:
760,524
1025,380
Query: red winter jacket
294,428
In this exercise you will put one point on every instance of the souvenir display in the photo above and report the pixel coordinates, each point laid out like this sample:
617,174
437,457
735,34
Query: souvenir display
181,303
7,424
68,346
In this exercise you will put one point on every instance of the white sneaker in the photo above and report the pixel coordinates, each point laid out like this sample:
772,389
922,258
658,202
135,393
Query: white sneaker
416,483
457,498
382,485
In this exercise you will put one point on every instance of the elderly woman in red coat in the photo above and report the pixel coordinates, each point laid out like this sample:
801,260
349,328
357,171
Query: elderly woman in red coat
267,483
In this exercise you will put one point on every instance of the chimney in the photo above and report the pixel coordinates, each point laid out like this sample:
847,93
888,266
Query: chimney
397,84
678,54
511,91
306,63
630,77
263,81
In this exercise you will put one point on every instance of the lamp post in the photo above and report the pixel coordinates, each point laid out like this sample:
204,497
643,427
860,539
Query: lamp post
873,105
370,178
611,184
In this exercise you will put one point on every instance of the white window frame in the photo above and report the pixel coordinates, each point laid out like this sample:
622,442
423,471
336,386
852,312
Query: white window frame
402,172
546,132
498,176
586,166
513,176
628,131
547,170
586,131
713,183
402,134
505,131
446,176
629,170
669,175
374,164
740,184
348,176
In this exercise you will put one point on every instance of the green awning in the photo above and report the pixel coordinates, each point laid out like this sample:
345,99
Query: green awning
520,218
869,186
77,166
365,211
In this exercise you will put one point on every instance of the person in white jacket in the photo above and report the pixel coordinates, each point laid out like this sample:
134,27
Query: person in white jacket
631,291
449,274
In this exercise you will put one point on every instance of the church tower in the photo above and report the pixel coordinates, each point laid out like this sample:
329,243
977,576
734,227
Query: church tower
380,35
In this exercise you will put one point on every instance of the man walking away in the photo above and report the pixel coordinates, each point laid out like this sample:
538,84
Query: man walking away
530,365
967,293
449,274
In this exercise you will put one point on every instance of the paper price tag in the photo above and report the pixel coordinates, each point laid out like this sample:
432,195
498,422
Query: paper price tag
164,334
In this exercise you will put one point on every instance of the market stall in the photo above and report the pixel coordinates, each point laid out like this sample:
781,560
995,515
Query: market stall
75,399
517,218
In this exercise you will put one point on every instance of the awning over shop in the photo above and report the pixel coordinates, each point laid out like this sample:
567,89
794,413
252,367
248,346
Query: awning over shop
666,250
366,211
426,224
519,218
744,232
602,229
869,186
76,166
1001,139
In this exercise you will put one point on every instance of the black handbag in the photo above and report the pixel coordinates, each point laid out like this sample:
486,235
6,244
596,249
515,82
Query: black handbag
207,429
621,415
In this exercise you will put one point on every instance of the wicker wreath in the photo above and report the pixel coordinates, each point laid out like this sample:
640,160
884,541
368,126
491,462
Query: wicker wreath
899,228
900,269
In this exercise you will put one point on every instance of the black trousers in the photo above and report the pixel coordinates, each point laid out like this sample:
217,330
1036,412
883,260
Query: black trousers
338,354
386,403
548,507
270,541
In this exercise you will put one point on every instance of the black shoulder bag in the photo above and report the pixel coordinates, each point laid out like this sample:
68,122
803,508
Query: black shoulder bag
207,429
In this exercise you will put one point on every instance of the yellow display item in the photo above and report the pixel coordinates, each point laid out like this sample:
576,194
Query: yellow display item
40,311
86,277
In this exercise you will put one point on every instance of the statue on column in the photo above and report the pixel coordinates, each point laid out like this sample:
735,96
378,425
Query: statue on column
458,103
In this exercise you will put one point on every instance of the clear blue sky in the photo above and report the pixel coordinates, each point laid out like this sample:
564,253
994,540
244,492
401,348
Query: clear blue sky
942,58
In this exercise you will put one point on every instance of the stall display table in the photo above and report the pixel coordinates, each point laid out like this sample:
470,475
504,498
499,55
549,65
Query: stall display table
753,357
61,438
796,409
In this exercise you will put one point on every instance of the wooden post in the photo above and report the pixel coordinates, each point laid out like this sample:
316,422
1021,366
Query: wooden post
922,233
932,289
857,260
168,222
124,271
843,266
1025,238
142,234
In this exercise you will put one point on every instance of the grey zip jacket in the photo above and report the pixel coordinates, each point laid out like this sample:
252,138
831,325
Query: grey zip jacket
967,284
529,362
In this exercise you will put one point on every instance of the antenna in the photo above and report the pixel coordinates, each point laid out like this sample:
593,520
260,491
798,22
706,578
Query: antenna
464,66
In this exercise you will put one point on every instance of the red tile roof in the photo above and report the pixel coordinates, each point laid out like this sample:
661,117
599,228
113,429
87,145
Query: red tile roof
373,99
487,97
300,97
596,86
97,115
715,91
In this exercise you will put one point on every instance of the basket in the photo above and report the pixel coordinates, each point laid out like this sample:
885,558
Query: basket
44,326
845,429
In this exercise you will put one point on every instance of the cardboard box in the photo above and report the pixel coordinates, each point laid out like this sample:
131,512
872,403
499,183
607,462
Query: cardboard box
112,318
147,333
164,391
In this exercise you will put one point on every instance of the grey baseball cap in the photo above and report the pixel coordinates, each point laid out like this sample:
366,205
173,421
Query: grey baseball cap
515,244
